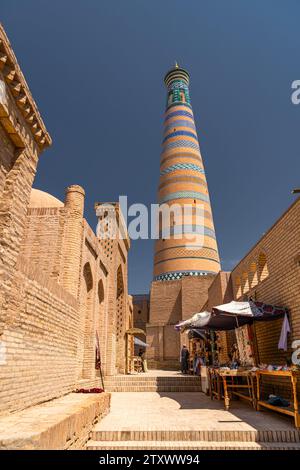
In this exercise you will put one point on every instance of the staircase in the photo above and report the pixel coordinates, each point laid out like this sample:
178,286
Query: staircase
145,383
160,418
192,440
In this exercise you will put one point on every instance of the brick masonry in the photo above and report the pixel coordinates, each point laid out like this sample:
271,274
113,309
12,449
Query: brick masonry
60,287
171,302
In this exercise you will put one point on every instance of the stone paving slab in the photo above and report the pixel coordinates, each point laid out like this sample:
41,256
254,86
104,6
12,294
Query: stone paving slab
188,445
153,412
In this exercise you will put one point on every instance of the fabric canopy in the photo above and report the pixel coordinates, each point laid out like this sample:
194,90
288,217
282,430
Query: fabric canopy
232,315
235,314
197,333
139,342
199,320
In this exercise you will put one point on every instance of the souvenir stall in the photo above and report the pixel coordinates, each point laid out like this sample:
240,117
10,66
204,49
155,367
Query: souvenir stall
198,349
242,377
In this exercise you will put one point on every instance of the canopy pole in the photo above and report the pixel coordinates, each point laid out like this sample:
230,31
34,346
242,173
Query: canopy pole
212,346
255,344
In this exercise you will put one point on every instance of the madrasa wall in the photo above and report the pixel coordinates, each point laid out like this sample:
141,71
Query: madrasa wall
59,290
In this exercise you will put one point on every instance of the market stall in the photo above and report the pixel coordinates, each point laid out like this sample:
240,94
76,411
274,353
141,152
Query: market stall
242,375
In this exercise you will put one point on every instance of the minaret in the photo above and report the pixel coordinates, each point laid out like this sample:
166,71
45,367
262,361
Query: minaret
183,182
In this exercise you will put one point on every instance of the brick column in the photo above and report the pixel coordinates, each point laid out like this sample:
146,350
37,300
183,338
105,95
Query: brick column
74,204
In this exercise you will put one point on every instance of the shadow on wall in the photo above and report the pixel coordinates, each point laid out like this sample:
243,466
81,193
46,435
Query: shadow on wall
175,312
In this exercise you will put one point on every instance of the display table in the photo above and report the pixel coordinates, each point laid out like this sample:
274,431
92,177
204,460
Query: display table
245,391
224,383
292,410
214,383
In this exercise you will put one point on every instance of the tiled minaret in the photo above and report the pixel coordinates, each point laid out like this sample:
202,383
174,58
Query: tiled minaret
183,181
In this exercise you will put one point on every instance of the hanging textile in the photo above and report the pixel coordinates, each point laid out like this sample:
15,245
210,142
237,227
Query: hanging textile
245,346
285,330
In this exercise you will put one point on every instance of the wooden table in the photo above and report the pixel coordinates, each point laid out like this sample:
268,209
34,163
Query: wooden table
291,410
214,383
236,388
221,388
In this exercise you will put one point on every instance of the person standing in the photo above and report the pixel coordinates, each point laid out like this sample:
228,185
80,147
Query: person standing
184,359
142,354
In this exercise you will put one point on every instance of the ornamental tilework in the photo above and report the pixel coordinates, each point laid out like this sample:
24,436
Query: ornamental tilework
175,275
176,133
180,123
182,179
184,195
182,166
177,104
187,229
179,113
178,84
181,143
179,155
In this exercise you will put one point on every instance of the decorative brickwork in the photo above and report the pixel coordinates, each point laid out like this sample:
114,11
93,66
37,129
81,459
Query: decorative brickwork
182,182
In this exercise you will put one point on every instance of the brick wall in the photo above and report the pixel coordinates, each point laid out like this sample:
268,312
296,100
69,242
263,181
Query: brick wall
270,272
220,292
57,286
273,278
43,238
41,341
171,302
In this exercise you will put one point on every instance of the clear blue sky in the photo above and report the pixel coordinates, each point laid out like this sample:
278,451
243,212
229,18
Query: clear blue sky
96,71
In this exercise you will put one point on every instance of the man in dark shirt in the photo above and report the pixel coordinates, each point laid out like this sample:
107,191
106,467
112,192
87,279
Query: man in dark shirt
184,359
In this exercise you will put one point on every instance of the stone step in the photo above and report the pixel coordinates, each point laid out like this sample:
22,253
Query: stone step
152,384
190,445
152,388
262,436
153,379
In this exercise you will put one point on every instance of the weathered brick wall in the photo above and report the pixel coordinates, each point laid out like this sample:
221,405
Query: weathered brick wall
115,254
54,280
41,341
194,294
275,282
171,302
141,306
43,238
219,292
270,272
6,157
